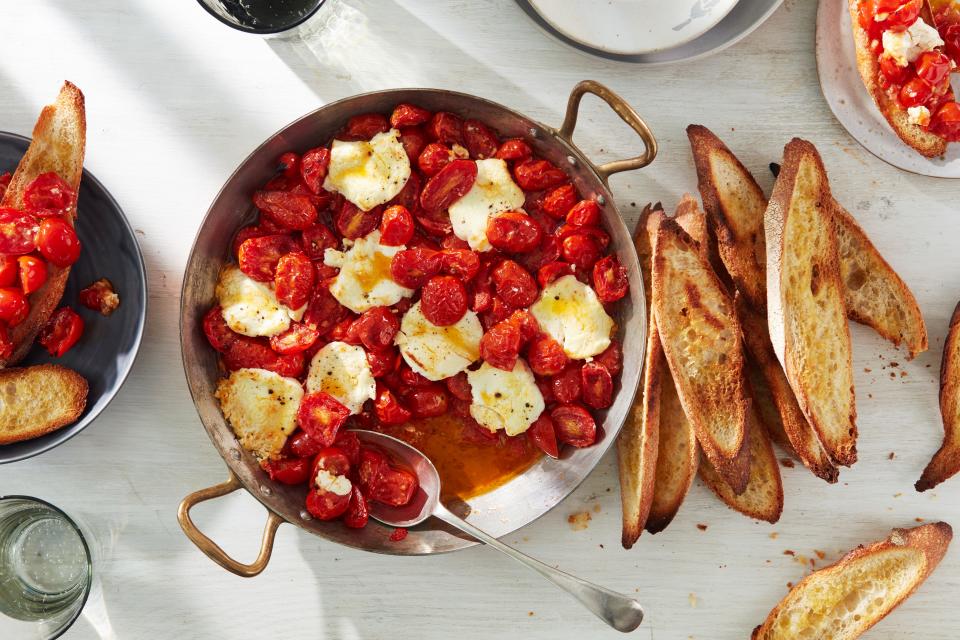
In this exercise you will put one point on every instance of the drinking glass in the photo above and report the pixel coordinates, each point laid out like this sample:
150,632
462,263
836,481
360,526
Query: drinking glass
46,569
264,17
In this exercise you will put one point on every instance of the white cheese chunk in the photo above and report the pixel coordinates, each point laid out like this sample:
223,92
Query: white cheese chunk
364,281
342,370
368,173
326,481
493,192
251,308
261,407
508,400
906,46
439,352
918,115
571,313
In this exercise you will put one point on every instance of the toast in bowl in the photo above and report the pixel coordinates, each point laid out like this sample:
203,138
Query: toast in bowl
806,314
946,461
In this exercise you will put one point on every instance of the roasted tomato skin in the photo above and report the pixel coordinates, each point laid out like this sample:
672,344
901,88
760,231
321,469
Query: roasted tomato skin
33,273
357,513
218,334
443,300
100,296
321,415
291,471
293,280
574,425
61,332
544,436
48,195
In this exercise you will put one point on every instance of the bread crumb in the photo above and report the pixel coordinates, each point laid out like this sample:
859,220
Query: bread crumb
820,554
702,527
579,521
530,613
693,600
789,552
789,586
892,455
894,364
897,494
774,535
596,508
903,374
601,545
893,375
867,370
787,462
918,519
870,395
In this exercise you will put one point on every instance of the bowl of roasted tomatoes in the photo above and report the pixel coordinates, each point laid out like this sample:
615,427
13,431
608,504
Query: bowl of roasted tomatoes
430,265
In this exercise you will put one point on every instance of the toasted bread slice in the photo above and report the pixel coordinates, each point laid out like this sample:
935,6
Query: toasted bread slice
701,339
37,400
873,292
806,315
946,461
773,390
59,140
843,600
763,498
922,141
735,203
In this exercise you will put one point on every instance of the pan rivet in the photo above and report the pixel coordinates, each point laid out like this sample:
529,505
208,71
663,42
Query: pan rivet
265,490
601,200
305,515
534,133
235,454
571,161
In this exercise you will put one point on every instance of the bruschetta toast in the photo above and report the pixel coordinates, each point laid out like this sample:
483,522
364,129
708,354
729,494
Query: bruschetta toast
35,401
946,461
843,600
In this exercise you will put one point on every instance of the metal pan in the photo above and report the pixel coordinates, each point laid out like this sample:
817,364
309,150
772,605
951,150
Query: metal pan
501,511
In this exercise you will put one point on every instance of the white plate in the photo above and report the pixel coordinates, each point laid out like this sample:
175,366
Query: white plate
844,91
740,22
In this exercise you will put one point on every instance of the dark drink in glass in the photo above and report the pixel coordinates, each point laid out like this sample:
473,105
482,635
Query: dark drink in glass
262,16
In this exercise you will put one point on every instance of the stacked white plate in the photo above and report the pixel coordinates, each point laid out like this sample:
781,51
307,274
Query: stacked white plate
650,32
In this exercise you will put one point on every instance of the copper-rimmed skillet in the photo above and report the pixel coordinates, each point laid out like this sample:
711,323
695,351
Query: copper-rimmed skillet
501,511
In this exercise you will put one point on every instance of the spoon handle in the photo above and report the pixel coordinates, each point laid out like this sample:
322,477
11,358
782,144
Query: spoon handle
621,612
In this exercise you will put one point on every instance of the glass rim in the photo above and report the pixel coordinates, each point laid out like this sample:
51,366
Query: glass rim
261,32
82,601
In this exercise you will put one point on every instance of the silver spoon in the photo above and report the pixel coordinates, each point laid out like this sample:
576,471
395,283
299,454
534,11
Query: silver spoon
617,610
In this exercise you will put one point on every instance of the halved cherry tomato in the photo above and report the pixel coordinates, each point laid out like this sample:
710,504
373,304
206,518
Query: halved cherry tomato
407,115
344,331
537,175
288,470
18,231
449,185
915,93
514,284
376,328
566,386
394,487
258,257
558,202
356,515
514,232
215,328
99,296
313,168
412,268
371,466
459,387
14,307
293,281
428,402
353,222
597,385
254,353
900,13
610,279
298,338
893,72
317,239
48,195
446,127
321,415
611,358
289,210
574,425
443,300
331,459
546,357
480,141
388,408
61,331
327,505
462,263
499,311
364,127
436,223
933,68
585,213
500,345
542,434
396,226
9,270
247,232
552,271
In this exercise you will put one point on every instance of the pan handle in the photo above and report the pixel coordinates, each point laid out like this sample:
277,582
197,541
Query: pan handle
211,548
626,113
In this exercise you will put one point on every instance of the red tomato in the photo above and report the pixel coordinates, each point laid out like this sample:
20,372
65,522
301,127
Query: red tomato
252,353
558,202
33,273
435,223
946,122
894,73
537,175
331,459
9,270
298,338
412,268
396,226
481,288
317,239
542,434
546,389
353,222
376,328
323,311
462,263
288,470
611,358
566,386
499,311
597,385
900,13
414,140
218,334
409,196
289,210
428,402
398,534
14,307
289,164
528,325
348,442
514,232
950,34
258,257
6,344
433,158
356,515
933,67
459,387
364,127
598,235
546,357
574,425
294,280
61,331
449,185
915,93
382,362
388,408
581,250
344,331
610,279
585,213
301,445
548,251
247,232
48,195
451,241
321,415
408,115
4,183
313,168
500,346
371,466
327,505
514,284
18,231
514,149
446,127
443,300
480,141
99,296
394,487
552,271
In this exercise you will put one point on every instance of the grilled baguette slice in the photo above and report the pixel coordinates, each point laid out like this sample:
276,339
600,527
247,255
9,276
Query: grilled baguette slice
37,400
874,294
763,498
59,139
735,203
805,303
843,600
922,141
788,419
946,461
701,339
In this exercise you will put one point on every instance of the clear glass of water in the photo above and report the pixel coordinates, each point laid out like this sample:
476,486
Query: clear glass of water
46,569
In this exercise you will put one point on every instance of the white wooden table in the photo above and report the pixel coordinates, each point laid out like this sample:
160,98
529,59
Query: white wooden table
176,100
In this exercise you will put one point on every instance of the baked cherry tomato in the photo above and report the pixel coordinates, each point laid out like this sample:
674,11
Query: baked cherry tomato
459,386
48,195
99,296
514,232
323,311
500,345
449,185
376,328
9,270
552,271
313,168
289,210
396,226
388,408
327,505
480,141
4,183
610,279
288,470
548,251
33,273
218,334
298,338
301,445
427,402
6,344
546,357
293,281
353,222
434,157
18,231
611,358
558,202
537,175
528,325
543,435
408,115
344,331
364,127
371,466
356,515
597,385
409,196
61,331
436,223
915,93
566,386
331,459
894,73
498,312
399,534
253,353
258,257
514,284
546,389
317,238
450,241
899,13
14,307
585,213
383,361
581,250
349,444
289,165
946,122
933,68
598,235
446,128
414,141
443,300
321,415
514,149
574,425
247,232
462,263
394,487
412,268
950,34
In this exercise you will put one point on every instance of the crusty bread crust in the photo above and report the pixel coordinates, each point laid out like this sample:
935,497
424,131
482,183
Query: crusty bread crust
38,400
735,203
946,461
806,312
918,138
59,140
843,600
